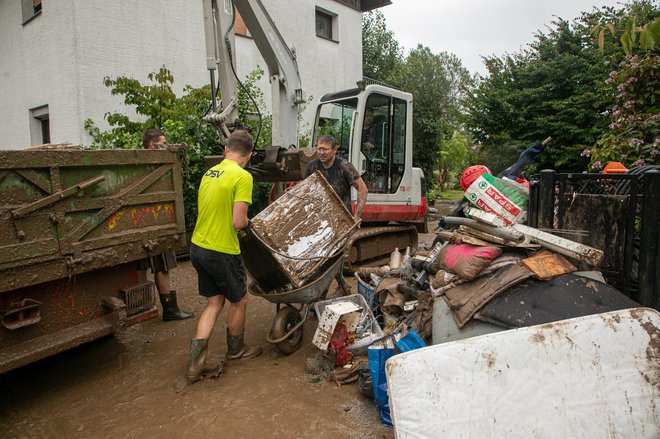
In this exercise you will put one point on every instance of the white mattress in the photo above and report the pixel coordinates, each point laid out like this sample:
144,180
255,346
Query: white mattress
593,377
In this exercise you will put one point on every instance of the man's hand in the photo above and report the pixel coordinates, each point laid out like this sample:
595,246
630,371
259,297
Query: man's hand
361,198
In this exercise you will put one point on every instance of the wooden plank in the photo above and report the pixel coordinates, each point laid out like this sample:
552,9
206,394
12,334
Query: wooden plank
547,265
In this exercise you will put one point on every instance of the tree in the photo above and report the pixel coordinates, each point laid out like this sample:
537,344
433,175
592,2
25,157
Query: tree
648,34
180,120
381,53
453,158
556,87
439,84
633,135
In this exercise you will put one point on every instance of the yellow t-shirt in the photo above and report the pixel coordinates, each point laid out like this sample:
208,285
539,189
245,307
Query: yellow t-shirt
220,188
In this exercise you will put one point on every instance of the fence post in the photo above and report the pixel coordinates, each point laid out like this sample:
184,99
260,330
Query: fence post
533,204
649,273
546,208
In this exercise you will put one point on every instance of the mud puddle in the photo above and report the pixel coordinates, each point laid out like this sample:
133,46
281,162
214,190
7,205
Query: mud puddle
132,386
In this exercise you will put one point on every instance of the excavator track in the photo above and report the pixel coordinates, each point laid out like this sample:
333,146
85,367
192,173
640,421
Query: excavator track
374,245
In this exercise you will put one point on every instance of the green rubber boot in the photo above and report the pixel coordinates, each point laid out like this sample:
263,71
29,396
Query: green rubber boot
171,310
237,349
199,368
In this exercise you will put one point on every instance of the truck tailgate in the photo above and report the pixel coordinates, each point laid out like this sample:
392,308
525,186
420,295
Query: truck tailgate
65,212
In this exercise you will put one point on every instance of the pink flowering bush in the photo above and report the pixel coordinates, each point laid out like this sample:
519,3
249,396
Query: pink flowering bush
633,136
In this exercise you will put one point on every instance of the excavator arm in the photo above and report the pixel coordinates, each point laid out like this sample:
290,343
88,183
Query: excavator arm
287,94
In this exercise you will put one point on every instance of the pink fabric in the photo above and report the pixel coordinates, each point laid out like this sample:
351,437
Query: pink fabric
467,260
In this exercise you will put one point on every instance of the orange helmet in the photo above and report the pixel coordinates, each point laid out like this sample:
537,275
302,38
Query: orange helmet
472,173
615,168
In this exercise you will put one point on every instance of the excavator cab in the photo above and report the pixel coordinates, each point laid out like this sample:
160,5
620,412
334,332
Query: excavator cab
372,125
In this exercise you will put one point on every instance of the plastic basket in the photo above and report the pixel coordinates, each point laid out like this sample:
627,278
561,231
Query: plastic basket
368,292
360,346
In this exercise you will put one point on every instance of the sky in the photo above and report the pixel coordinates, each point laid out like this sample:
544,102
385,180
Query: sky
474,28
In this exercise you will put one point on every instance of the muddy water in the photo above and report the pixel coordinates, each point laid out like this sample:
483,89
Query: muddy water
132,386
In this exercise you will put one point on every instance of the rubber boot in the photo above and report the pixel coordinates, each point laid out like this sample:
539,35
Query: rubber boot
171,310
236,348
198,367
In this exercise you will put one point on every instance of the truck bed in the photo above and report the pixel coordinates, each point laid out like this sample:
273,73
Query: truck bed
74,222
65,212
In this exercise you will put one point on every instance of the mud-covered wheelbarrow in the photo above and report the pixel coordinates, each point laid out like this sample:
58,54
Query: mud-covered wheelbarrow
286,332
292,251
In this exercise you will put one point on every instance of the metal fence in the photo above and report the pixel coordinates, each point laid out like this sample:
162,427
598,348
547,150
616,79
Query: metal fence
617,213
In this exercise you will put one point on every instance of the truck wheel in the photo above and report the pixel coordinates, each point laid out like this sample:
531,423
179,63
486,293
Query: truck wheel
285,319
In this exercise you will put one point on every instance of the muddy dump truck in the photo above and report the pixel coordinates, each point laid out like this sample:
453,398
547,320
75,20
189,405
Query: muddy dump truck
73,224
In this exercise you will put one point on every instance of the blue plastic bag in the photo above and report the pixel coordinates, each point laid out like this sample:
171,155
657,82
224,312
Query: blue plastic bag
377,358
378,355
410,342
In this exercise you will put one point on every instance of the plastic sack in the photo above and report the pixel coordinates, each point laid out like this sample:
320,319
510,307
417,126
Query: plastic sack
506,199
410,342
364,382
467,260
378,355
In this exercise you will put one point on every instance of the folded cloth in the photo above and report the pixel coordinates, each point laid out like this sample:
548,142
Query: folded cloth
465,300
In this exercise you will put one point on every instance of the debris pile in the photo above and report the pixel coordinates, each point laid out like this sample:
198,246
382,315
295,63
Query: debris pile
484,268
346,328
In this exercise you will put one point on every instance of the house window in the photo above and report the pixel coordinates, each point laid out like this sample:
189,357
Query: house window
326,24
30,9
355,4
39,125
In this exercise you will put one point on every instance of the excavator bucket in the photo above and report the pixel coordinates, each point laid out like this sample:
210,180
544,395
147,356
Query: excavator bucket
274,164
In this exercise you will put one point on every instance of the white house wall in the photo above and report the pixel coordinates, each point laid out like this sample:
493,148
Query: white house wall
37,67
61,57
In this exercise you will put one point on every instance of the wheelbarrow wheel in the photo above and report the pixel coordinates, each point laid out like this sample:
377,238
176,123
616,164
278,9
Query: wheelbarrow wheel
285,319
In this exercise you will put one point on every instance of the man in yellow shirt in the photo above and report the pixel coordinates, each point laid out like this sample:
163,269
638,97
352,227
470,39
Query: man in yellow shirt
225,193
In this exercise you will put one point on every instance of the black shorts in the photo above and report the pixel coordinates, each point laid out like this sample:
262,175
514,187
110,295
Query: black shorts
162,262
218,273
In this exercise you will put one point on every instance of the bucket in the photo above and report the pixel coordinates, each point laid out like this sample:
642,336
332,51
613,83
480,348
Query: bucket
368,292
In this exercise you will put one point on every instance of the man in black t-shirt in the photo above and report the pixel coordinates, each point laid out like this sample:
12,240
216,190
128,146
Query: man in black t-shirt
340,173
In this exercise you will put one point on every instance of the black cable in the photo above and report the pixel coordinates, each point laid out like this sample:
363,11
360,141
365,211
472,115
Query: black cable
231,64
199,125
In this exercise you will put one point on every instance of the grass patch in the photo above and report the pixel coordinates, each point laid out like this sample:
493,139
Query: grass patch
450,195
